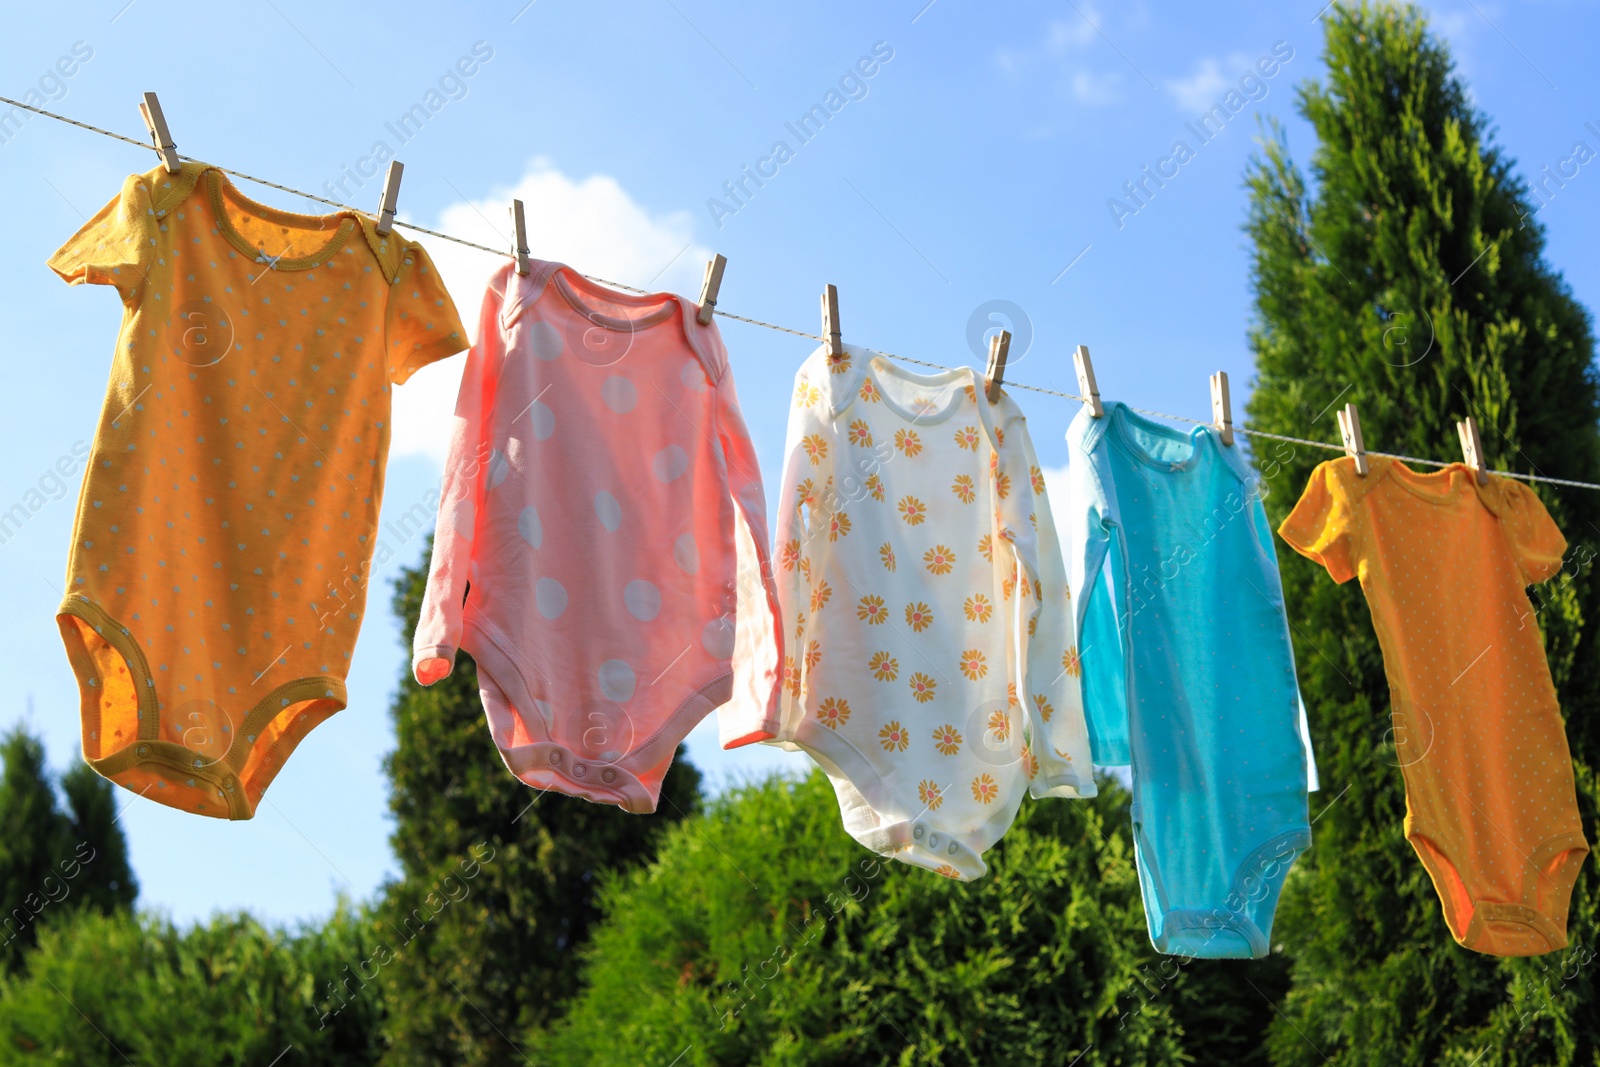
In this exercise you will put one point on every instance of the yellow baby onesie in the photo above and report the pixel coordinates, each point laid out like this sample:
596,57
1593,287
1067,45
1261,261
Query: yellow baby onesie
224,532
1491,804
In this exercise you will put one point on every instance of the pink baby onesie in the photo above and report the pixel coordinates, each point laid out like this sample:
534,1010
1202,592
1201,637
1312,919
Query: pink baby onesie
601,544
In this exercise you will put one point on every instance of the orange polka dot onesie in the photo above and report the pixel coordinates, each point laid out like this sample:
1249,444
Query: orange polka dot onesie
1491,807
220,555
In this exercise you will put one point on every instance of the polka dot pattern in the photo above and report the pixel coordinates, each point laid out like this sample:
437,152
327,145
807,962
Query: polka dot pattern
669,464
551,597
1474,725
899,657
529,528
545,341
617,680
686,554
233,488
607,510
642,598
616,573
619,394
543,420
717,638
498,469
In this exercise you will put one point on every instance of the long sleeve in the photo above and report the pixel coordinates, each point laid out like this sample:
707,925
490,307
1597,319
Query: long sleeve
751,714
1047,655
1094,574
791,562
1263,533
438,635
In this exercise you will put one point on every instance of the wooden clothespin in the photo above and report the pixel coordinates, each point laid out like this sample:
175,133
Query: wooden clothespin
831,340
1086,382
1222,407
1350,431
995,374
156,123
710,288
1472,448
391,196
519,224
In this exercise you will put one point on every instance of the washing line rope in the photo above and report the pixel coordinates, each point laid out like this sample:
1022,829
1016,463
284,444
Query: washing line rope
1326,445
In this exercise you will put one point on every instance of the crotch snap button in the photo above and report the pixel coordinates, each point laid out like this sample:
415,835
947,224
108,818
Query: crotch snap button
933,840
608,775
579,770
917,832
953,849
555,758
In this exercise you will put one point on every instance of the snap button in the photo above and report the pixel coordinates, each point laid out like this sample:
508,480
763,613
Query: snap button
953,849
916,832
555,758
144,750
579,770
608,775
933,840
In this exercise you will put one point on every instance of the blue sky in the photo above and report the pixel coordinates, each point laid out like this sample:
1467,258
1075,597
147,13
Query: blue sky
976,163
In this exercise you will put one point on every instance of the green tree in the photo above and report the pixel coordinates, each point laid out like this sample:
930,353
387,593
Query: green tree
499,882
764,934
109,990
1408,277
92,810
52,862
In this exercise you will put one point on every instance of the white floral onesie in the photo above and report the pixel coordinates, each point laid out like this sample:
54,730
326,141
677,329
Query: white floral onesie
933,672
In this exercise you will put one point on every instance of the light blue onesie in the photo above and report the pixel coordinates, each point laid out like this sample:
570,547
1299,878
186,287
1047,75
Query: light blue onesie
1188,674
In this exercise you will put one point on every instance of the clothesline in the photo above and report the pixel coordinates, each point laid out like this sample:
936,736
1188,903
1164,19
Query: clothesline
1326,445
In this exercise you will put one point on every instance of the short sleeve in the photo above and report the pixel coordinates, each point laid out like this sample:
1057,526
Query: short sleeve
421,323
116,247
1536,542
1324,526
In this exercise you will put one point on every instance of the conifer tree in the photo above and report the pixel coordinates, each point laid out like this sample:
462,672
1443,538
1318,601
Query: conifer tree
92,810
1408,276
126,988
30,838
53,862
499,882
764,933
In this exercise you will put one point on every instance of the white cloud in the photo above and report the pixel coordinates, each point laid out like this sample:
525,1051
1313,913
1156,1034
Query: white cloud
1095,90
1071,35
1056,53
1212,77
590,223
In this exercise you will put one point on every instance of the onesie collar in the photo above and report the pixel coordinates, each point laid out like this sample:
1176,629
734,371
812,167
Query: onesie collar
845,389
1492,494
167,191
1089,432
519,292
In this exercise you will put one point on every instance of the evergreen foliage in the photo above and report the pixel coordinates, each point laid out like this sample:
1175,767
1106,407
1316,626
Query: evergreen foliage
109,990
1408,277
499,882
764,934
1405,274
53,861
